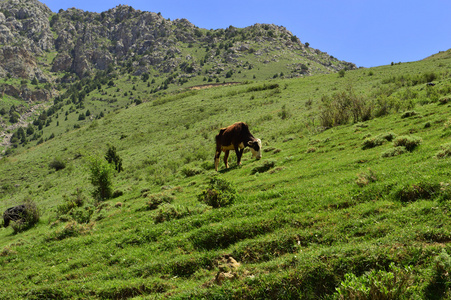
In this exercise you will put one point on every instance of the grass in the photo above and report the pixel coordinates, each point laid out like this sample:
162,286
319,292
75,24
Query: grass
303,223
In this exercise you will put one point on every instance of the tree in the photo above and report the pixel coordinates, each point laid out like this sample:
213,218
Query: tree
113,158
101,178
145,77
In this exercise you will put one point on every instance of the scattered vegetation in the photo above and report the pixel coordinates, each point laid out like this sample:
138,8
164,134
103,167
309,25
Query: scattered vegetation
321,218
397,283
220,193
408,142
378,140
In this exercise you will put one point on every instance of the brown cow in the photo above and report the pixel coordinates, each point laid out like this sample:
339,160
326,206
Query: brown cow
236,137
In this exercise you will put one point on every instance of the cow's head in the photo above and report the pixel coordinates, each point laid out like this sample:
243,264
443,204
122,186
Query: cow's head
256,148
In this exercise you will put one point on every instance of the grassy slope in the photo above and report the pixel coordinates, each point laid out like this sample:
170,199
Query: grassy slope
296,229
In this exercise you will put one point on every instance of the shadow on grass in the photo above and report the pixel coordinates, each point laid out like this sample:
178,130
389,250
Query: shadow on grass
223,171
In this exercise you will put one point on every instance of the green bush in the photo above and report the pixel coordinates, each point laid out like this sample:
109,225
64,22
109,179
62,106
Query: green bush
156,199
73,208
439,286
101,178
378,140
71,229
113,158
416,191
57,164
394,151
168,212
190,171
409,142
444,152
364,179
76,199
340,108
220,193
408,114
392,284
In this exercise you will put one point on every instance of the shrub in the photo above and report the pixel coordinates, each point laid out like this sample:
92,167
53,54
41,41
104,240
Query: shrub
190,171
220,193
156,199
409,142
365,178
83,215
310,150
444,100
341,107
416,191
169,212
72,208
71,229
101,178
76,199
445,152
408,114
392,284
57,164
394,152
440,284
113,158
29,219
378,140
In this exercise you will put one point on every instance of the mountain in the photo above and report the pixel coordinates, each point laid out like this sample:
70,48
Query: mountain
69,45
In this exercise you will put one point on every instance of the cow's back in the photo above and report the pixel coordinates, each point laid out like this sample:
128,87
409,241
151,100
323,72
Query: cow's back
234,134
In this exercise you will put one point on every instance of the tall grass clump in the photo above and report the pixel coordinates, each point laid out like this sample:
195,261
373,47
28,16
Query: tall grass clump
220,193
408,142
439,286
342,107
57,164
444,152
73,208
378,140
364,179
391,284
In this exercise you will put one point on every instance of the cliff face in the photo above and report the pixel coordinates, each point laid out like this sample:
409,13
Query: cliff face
55,48
24,35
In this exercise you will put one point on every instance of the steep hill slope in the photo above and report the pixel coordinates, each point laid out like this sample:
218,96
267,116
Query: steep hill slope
46,55
352,191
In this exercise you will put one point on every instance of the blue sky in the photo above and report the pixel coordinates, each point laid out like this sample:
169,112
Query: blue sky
365,32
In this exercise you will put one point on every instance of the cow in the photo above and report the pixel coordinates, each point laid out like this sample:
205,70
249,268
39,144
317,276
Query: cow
15,213
236,137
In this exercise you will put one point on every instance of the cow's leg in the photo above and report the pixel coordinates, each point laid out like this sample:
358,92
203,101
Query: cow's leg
239,153
217,155
226,158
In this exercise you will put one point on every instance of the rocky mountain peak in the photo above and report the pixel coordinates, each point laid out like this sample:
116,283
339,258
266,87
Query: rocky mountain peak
36,43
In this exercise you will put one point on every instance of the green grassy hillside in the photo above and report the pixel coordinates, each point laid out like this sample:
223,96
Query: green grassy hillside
350,199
